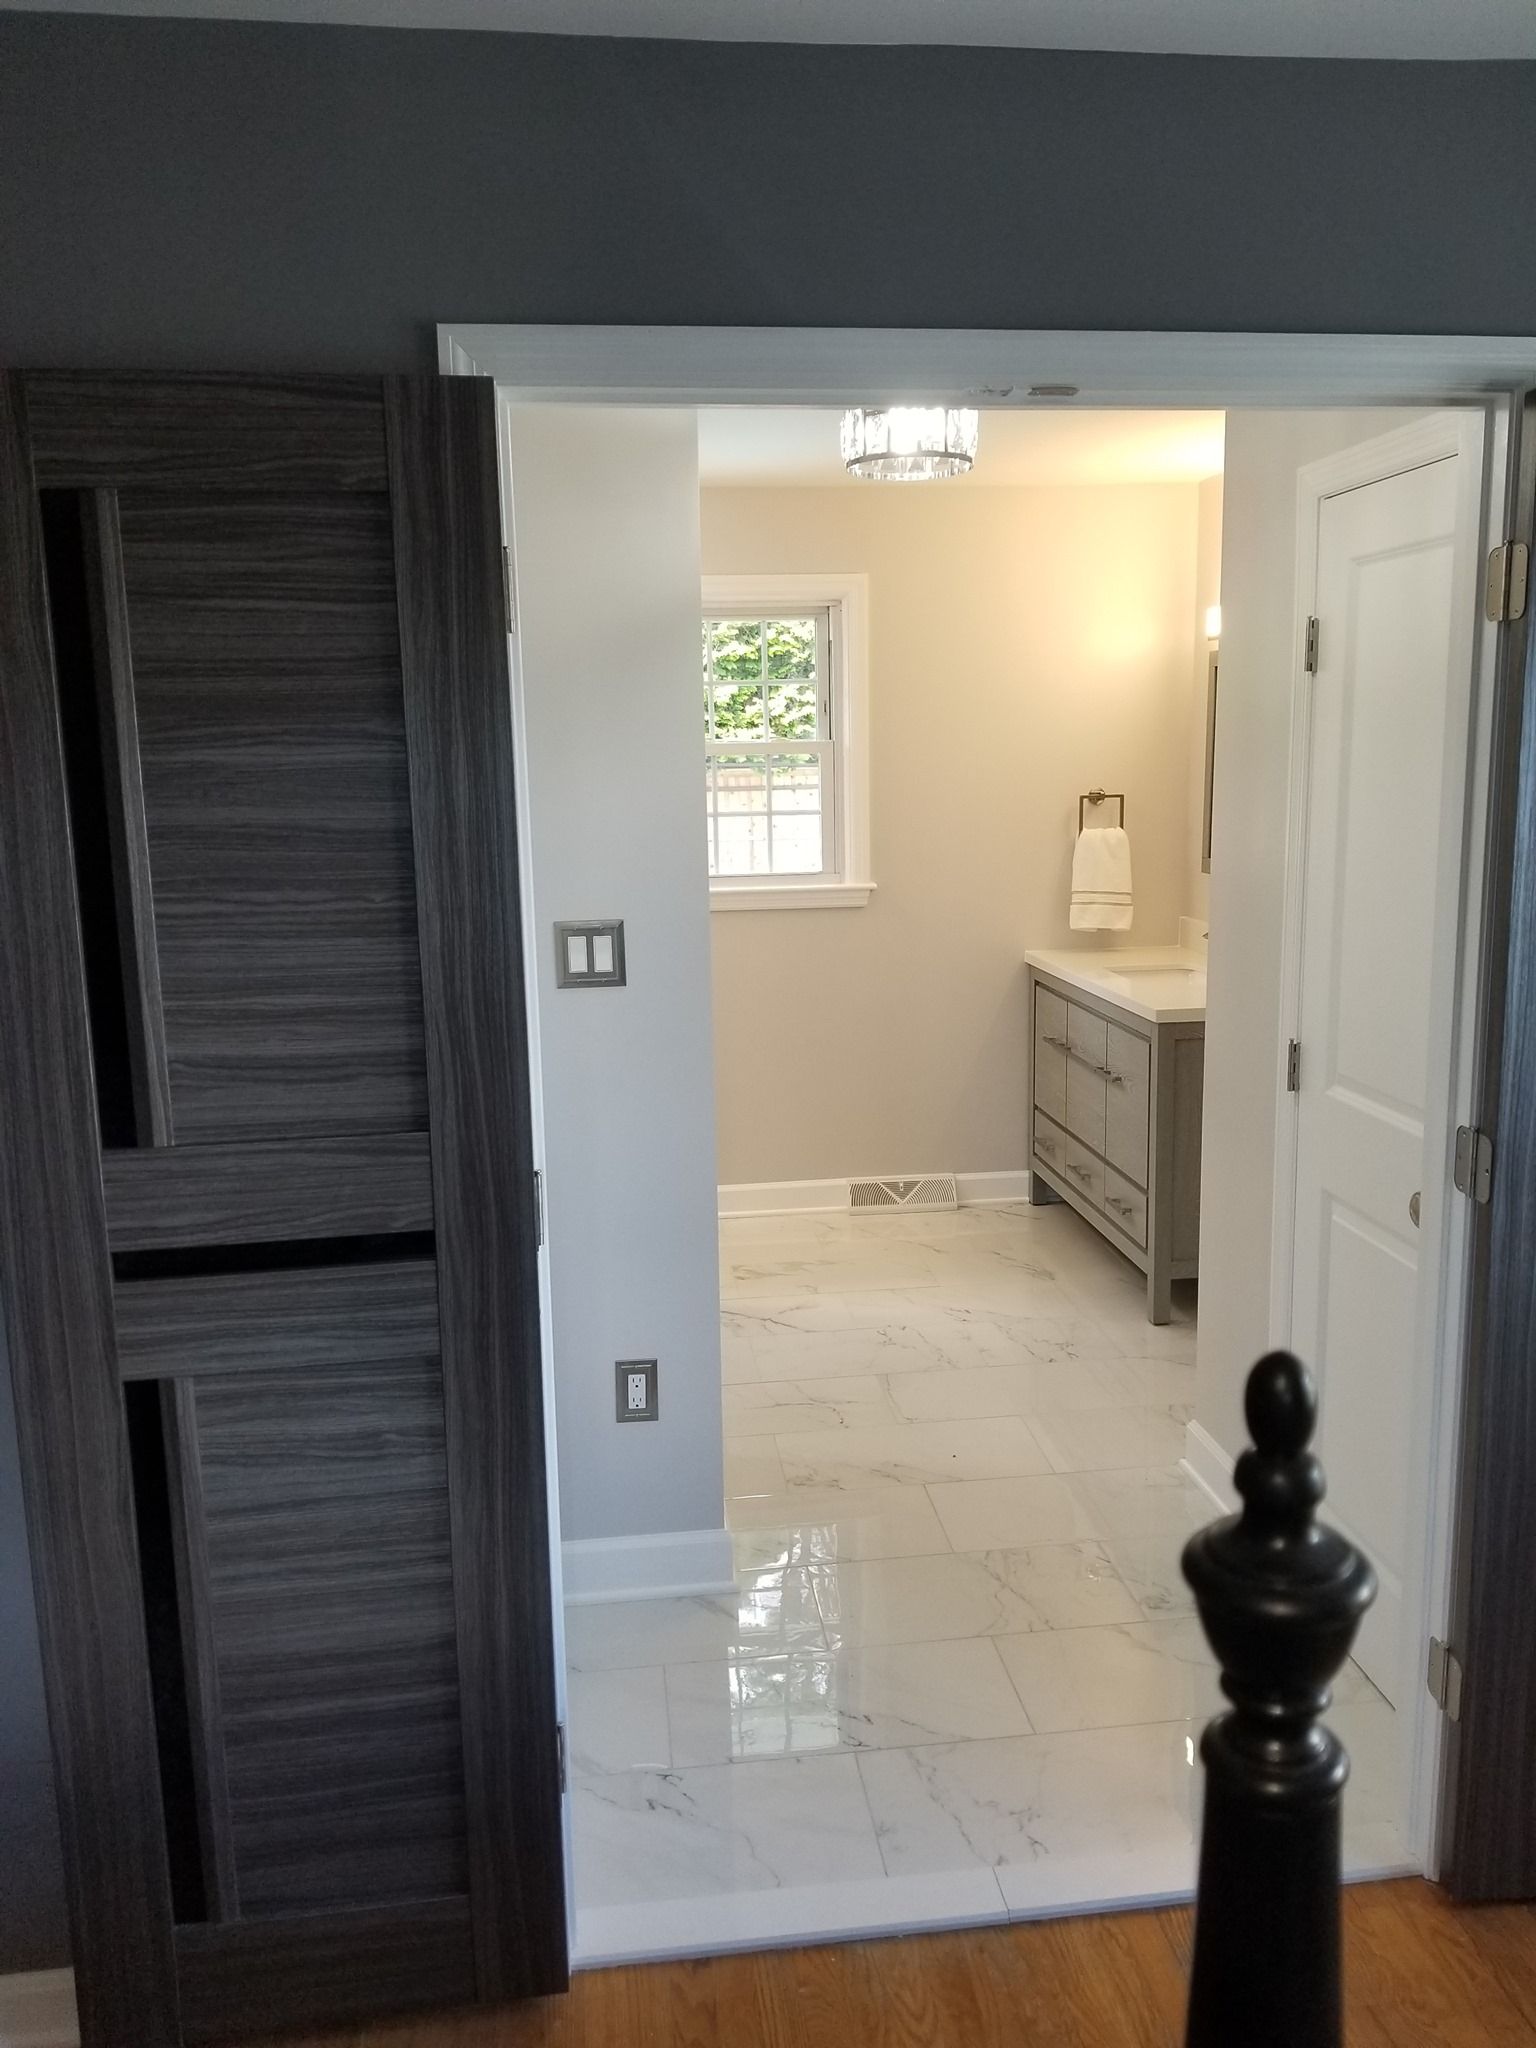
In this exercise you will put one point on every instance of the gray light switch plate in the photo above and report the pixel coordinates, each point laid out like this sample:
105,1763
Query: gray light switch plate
590,954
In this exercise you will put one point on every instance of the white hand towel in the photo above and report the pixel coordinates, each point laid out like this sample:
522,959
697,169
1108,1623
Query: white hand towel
1101,881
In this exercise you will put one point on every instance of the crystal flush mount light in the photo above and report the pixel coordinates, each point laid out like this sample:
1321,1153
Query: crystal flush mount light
909,443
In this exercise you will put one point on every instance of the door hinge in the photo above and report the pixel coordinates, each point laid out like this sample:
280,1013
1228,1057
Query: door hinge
1309,658
560,1752
538,1204
1293,1066
509,608
1444,1679
1473,1169
1508,581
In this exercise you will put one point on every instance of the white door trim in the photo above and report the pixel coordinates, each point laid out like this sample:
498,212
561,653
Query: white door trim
1439,1360
827,366
855,365
532,967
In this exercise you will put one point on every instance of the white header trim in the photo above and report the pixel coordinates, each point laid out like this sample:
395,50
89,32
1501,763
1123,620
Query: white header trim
865,365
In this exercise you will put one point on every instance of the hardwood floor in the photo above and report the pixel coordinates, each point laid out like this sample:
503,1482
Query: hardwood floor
1418,1972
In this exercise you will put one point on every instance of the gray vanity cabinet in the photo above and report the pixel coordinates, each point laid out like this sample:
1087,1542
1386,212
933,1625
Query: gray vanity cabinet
1128,1102
1050,1014
1116,1127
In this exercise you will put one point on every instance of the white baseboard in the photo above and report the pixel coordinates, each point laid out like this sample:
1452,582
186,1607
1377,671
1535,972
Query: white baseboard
37,2010
811,1197
1209,1466
981,1190
782,1197
647,1567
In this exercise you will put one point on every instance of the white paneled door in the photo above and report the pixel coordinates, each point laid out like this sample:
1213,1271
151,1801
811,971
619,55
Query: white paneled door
1385,765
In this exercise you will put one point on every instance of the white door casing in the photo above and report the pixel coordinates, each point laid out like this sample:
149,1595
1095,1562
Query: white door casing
647,366
832,367
1388,549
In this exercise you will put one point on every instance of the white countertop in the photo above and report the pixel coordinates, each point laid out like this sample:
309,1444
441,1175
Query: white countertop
1164,984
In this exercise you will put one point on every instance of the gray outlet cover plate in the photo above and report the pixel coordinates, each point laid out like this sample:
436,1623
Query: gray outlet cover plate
622,1371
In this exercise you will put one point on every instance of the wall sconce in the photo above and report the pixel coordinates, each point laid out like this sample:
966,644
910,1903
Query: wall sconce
1213,622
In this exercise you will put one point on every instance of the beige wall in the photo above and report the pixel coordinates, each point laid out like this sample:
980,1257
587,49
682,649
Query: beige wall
1025,644
1242,1033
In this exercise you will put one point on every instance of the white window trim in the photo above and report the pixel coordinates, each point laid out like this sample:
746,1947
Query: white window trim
853,885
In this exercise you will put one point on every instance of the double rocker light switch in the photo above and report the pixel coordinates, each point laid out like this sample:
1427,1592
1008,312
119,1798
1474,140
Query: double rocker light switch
590,955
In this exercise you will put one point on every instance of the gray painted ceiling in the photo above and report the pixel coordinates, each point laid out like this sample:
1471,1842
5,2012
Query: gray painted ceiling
1232,28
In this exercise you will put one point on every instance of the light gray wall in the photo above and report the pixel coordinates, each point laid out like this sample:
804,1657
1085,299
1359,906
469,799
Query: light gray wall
269,196
605,513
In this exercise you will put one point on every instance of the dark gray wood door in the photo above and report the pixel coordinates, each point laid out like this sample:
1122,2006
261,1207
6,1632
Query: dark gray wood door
1490,1831
266,1201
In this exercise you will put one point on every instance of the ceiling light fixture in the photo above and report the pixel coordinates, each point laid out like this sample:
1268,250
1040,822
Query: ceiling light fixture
909,443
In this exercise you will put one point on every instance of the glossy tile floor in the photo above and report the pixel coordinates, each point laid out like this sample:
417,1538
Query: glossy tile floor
960,1677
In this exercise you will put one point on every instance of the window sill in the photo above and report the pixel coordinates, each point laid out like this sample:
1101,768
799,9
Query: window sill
792,896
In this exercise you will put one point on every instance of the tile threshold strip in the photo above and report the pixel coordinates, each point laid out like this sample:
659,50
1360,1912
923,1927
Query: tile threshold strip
791,1916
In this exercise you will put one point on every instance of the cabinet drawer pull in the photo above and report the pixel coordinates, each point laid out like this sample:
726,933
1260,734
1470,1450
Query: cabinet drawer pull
1059,1043
1083,1173
1124,1207
1081,1058
1115,1080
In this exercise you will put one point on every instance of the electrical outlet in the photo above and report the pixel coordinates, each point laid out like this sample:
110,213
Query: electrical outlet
637,1399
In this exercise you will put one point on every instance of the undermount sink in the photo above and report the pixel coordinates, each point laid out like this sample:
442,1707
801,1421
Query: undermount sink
1169,973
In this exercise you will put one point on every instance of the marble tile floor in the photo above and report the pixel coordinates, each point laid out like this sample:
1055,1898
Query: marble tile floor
959,1677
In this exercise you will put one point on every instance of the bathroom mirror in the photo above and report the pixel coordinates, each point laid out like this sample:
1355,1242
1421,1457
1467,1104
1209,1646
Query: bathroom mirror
1213,671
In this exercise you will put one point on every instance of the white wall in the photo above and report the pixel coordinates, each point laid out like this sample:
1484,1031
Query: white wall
1247,887
1025,644
605,519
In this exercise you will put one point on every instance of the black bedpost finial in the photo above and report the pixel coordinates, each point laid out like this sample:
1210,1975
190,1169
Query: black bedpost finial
1280,1598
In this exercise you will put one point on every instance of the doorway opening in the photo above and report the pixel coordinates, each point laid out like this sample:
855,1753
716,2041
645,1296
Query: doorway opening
958,1422
945,1671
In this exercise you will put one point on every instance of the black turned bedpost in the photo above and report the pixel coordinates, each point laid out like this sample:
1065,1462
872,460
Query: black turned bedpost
1280,1598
